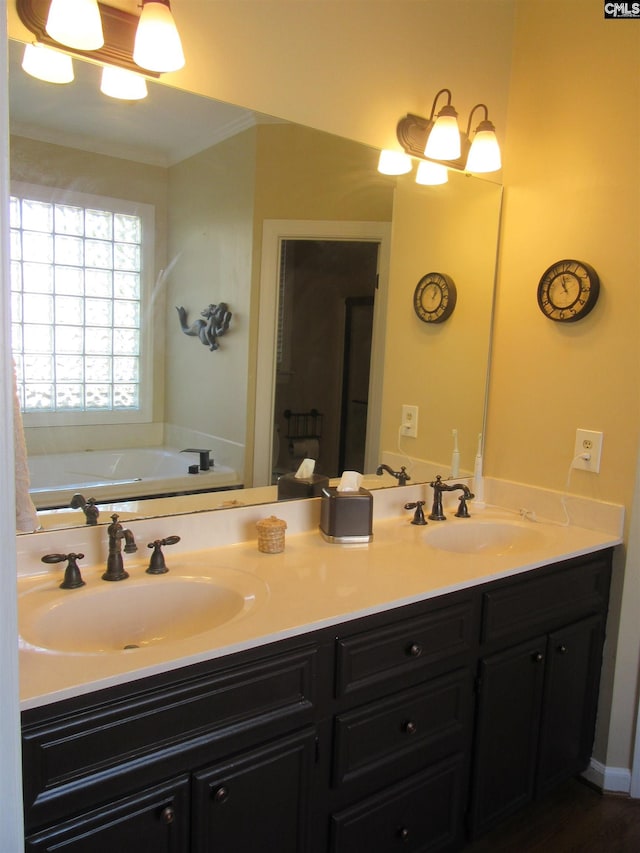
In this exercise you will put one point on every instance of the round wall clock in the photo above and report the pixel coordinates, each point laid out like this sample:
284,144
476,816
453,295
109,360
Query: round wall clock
568,290
435,297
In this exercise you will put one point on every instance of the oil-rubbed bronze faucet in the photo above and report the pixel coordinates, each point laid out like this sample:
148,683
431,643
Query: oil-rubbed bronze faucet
88,507
401,475
116,532
438,488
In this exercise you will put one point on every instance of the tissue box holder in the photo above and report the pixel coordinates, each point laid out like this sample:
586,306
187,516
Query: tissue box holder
290,486
346,517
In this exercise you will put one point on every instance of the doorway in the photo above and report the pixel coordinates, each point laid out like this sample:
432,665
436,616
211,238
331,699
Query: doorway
323,354
275,233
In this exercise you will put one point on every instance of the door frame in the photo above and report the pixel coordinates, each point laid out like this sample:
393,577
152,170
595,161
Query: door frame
274,232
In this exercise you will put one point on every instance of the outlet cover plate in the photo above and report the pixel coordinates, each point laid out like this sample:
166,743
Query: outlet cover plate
587,441
409,424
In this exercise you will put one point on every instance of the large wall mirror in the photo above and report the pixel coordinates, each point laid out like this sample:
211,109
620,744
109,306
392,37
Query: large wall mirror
241,208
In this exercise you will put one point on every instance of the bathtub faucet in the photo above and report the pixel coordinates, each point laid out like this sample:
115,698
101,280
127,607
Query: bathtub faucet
206,461
116,532
88,507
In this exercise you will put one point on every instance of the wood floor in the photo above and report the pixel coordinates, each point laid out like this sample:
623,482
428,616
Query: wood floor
574,819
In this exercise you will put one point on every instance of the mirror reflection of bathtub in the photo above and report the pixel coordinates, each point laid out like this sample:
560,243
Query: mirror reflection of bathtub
119,475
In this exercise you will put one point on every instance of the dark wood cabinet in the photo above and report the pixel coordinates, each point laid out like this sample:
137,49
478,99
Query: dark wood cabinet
256,802
154,819
537,699
399,730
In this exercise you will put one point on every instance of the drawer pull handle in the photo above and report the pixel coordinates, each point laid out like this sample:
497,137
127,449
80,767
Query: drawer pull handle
168,815
415,650
410,727
221,794
403,834
537,657
563,649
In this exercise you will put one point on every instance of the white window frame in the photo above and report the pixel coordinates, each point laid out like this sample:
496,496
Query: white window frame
146,212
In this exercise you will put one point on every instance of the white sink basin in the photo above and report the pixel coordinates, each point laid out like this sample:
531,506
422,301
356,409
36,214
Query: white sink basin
485,537
115,618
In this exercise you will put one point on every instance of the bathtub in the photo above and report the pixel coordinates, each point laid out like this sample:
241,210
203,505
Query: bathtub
114,475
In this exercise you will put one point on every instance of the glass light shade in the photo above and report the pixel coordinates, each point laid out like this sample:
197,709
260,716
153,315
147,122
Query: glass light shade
46,64
76,23
122,84
157,45
393,162
443,142
484,154
431,174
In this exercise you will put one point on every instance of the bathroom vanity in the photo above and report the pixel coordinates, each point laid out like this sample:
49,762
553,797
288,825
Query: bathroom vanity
412,723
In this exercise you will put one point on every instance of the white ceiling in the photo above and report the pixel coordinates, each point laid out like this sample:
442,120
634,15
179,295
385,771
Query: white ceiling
164,128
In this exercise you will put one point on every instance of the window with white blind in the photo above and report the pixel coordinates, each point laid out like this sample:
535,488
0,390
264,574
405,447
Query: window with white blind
79,266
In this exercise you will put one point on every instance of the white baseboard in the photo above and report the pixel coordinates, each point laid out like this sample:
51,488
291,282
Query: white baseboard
614,779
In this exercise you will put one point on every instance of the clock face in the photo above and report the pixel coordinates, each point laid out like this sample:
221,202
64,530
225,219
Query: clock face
568,290
435,297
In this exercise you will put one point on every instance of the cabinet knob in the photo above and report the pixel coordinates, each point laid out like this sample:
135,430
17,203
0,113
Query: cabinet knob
415,650
537,657
221,794
403,833
563,650
410,727
168,815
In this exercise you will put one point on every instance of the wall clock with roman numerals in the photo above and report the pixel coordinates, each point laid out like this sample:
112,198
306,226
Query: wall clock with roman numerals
434,297
568,290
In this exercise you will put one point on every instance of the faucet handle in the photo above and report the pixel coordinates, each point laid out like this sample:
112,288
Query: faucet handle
418,517
72,576
157,565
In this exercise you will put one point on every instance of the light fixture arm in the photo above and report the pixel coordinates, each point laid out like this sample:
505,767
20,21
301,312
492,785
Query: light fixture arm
435,101
486,117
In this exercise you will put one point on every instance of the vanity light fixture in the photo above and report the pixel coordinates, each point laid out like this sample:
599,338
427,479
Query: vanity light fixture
122,84
480,155
484,154
149,43
75,23
47,64
431,174
393,162
443,141
157,44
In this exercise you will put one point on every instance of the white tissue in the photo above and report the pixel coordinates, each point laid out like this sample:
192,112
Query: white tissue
306,469
349,482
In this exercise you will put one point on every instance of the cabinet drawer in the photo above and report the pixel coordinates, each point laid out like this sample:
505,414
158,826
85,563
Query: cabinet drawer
404,731
420,645
421,814
154,819
536,604
80,757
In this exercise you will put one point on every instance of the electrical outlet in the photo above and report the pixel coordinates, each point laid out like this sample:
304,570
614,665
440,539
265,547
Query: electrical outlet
588,443
409,425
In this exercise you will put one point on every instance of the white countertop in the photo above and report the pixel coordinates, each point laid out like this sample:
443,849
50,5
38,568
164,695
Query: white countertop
310,585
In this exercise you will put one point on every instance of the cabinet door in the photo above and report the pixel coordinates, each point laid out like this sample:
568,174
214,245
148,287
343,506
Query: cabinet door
572,674
156,819
257,801
509,698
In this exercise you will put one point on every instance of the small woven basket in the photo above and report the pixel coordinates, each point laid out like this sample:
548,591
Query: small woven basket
271,535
